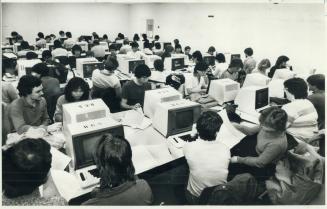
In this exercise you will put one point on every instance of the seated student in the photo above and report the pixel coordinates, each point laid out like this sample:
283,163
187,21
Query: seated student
25,47
133,91
258,78
262,67
159,73
249,62
58,70
178,49
41,42
31,56
316,84
98,50
105,38
176,41
206,157
221,65
9,92
61,34
197,57
118,183
77,53
26,166
157,49
76,90
136,37
212,50
48,39
199,82
281,63
177,82
187,51
145,37
156,39
69,42
167,52
302,115
53,37
232,72
125,48
258,154
135,53
58,50
30,109
147,48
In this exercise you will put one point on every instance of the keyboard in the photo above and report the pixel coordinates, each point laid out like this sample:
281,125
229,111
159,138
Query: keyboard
88,176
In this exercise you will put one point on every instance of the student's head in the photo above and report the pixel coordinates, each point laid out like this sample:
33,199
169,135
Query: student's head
53,36
169,49
20,38
57,44
77,90
316,82
61,33
112,48
136,37
24,45
248,52
30,86
14,34
157,45
273,120
200,69
156,37
40,35
113,158
211,50
121,36
146,44
264,65
142,73
175,80
48,39
77,50
197,56
111,64
25,166
105,37
135,46
46,55
208,125
126,42
187,50
296,88
31,55
144,36
176,41
236,65
220,57
178,49
96,42
281,61
68,34
158,65
40,70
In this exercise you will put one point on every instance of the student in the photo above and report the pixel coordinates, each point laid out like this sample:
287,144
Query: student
41,42
25,47
105,38
178,49
125,48
206,157
199,82
176,41
77,53
302,115
281,63
58,50
14,36
26,166
135,53
157,49
258,154
262,67
258,78
31,55
316,84
187,51
159,73
76,90
95,36
156,39
98,50
167,52
53,37
197,57
9,92
176,81
118,183
69,42
249,62
211,50
133,91
30,109
147,48
136,37
221,65
232,72
61,34
48,39
145,37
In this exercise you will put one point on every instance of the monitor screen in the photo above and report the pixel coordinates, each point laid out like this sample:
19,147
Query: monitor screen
89,67
19,48
261,98
209,60
165,44
184,119
117,46
84,145
133,64
177,63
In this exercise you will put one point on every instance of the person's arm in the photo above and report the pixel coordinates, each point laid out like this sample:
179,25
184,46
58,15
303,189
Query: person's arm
247,130
124,105
118,91
12,93
45,116
58,113
292,113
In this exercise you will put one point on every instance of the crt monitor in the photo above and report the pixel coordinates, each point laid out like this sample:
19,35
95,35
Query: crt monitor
252,99
85,66
233,56
176,117
177,64
132,64
209,60
165,44
88,68
117,46
223,90
256,79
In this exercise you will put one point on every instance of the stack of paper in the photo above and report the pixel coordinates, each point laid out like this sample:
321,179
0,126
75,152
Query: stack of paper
136,119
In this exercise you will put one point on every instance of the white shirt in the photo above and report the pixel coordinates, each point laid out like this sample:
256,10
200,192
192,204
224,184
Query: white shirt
101,80
135,55
220,68
41,43
302,119
194,83
256,79
284,74
69,43
99,51
208,163
59,52
126,48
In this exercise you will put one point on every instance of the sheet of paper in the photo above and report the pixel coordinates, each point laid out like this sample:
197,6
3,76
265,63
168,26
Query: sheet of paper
136,119
59,159
160,153
142,159
228,134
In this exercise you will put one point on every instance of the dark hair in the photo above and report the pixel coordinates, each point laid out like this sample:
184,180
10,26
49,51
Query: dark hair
142,71
158,65
274,117
169,48
200,66
317,80
176,41
121,36
136,37
280,60
220,57
198,55
52,35
113,157
157,45
72,85
146,44
41,69
25,45
105,36
96,42
236,62
187,48
144,36
46,37
125,42
111,64
40,35
134,44
76,48
208,125
46,54
248,51
264,65
175,80
25,166
68,34
57,44
26,84
14,33
19,37
211,49
31,55
156,37
178,46
61,32
298,87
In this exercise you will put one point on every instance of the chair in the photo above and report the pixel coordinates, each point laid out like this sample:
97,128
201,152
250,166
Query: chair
51,104
108,96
